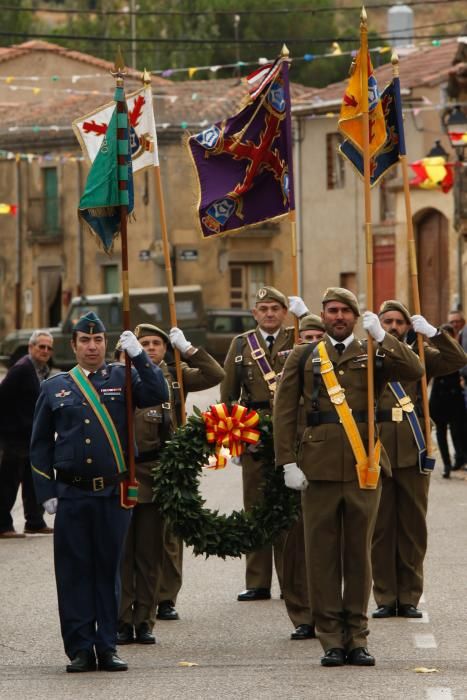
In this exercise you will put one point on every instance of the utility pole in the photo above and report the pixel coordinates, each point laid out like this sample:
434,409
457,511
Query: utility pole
236,22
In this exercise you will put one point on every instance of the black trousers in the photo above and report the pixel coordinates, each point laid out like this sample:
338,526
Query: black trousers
15,469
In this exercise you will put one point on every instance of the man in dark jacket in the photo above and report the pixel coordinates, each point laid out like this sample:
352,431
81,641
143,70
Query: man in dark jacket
78,458
18,395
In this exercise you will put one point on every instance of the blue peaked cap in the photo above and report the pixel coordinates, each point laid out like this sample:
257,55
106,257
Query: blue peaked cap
90,323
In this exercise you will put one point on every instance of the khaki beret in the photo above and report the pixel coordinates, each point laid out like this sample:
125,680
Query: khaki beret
394,305
311,322
144,329
271,294
345,296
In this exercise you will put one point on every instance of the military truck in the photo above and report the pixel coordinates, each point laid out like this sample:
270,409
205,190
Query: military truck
149,305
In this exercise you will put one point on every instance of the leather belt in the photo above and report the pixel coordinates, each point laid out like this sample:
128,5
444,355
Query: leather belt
257,404
96,483
147,456
387,416
321,417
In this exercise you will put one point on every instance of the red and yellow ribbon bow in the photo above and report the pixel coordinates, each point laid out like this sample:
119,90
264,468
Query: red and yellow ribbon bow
230,430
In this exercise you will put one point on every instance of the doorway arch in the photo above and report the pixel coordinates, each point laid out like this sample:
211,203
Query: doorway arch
432,241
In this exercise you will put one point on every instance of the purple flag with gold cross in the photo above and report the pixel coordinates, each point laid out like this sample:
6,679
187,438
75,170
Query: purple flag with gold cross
243,163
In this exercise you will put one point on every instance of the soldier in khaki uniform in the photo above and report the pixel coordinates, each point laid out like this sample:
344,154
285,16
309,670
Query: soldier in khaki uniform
150,543
294,578
338,515
400,538
253,362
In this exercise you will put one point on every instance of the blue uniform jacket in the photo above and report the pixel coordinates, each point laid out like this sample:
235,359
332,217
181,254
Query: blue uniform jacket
67,435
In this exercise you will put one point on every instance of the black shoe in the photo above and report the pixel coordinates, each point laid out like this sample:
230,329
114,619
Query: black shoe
409,611
143,634
125,634
166,611
109,661
385,611
39,530
82,662
456,467
360,657
255,594
446,474
303,632
333,657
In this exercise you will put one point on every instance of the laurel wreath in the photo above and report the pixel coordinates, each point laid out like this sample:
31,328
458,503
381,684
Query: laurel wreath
176,492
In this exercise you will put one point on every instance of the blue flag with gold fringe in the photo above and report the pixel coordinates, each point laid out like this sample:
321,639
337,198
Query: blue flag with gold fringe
388,155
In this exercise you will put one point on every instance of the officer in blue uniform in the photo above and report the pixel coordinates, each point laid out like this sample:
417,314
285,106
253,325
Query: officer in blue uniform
76,474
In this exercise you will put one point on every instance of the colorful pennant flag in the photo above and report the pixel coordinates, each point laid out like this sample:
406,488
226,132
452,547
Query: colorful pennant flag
433,173
243,165
8,209
388,155
109,185
91,129
350,122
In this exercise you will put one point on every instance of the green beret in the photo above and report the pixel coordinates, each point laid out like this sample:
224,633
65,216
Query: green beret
345,296
271,294
89,323
148,329
311,322
394,305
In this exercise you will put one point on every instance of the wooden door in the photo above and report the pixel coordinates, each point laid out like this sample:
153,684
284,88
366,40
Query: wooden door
383,274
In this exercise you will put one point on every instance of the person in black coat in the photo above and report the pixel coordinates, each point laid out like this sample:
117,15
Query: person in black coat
447,409
18,395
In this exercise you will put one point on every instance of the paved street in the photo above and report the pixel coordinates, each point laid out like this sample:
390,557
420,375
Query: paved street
242,650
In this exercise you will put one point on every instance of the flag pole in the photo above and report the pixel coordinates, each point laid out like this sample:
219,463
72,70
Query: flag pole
368,232
119,74
411,247
146,78
285,55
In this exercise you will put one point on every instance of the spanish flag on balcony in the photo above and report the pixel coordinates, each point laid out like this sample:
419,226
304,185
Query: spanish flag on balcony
351,122
433,173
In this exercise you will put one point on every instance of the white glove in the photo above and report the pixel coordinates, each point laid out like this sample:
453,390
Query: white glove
297,307
51,505
294,478
421,325
373,326
237,461
130,343
178,340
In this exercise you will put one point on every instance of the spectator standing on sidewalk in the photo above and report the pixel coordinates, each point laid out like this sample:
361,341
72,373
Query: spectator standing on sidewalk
18,395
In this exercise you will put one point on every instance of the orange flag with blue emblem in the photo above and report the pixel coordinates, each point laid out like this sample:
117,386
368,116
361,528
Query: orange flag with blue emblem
351,122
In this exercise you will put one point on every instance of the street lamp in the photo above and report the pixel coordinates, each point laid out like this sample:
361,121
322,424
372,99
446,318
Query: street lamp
456,126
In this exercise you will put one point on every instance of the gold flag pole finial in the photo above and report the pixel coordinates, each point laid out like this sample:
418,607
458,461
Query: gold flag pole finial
395,64
363,17
119,67
285,53
146,78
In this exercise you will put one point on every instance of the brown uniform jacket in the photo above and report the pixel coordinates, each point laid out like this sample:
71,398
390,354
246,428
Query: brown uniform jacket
243,382
155,424
442,356
324,451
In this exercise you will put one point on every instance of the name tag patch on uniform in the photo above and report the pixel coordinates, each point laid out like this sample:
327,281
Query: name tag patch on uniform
61,394
111,390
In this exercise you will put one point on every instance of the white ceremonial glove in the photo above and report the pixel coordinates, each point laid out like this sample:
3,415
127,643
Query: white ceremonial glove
178,340
373,326
297,307
130,343
51,505
421,325
294,478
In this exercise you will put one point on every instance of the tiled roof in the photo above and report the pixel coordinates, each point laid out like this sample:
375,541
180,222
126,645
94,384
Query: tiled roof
191,101
428,66
28,47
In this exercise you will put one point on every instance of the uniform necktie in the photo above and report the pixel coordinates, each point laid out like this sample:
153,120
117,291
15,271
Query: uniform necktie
270,341
340,347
